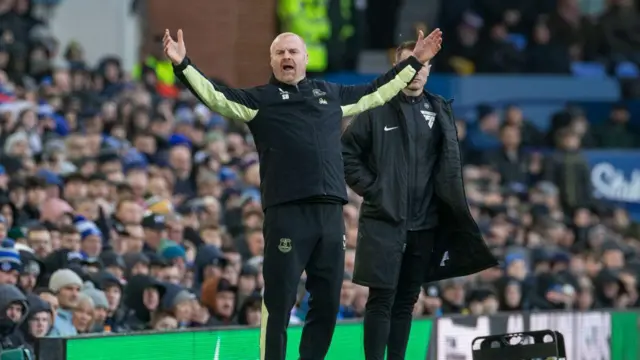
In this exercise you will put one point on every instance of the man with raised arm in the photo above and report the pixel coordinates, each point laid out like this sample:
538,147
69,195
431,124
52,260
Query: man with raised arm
296,125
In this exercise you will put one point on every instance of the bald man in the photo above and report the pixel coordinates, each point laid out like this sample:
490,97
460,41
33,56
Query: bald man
296,125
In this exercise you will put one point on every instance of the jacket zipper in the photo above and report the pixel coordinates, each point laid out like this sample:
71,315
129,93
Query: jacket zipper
320,157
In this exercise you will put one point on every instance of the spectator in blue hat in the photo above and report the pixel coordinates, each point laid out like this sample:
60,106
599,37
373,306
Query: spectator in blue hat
10,266
175,255
91,238
53,183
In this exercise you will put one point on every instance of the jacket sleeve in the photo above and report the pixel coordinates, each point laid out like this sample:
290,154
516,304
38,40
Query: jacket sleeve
355,99
237,104
356,147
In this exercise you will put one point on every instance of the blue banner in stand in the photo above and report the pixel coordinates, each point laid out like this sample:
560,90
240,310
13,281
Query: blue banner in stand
615,176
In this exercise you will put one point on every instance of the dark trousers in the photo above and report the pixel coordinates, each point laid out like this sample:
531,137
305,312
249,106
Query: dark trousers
387,319
309,237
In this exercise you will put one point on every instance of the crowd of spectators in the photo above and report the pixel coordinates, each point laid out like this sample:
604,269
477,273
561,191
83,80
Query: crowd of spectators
538,36
125,210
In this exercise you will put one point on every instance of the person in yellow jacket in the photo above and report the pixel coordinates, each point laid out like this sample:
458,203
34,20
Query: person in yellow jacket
310,20
163,69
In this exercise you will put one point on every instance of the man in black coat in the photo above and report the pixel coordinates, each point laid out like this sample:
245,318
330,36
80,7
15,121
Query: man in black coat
415,226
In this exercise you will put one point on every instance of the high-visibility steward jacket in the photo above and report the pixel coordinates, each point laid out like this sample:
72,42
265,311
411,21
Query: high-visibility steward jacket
310,20
163,69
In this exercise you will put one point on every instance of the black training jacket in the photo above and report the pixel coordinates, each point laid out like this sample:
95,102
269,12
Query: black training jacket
297,128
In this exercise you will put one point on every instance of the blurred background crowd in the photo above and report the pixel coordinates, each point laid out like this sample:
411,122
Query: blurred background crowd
126,205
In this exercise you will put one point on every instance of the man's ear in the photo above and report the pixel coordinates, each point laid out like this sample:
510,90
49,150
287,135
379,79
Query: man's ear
306,58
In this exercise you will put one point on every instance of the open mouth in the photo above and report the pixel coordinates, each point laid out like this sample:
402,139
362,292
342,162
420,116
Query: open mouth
288,67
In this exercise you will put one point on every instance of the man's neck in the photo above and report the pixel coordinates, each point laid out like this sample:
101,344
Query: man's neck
412,93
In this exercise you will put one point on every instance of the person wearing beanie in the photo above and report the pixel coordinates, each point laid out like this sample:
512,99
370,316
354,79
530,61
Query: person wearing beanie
225,303
176,255
136,264
10,265
90,237
178,302
113,263
154,231
65,284
30,273
101,306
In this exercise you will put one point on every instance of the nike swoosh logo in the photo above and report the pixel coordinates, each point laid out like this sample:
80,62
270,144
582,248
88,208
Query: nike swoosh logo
386,128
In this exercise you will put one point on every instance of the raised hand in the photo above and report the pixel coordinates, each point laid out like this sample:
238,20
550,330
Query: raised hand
175,50
427,48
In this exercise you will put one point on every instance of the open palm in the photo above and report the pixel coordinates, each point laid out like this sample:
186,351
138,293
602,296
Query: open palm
175,50
427,48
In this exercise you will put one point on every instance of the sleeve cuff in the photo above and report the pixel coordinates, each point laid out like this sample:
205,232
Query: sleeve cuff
183,65
414,63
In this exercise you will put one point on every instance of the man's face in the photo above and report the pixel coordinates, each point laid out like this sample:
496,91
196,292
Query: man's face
28,281
71,242
52,300
171,274
140,269
246,284
116,271
92,245
145,144
9,277
75,189
421,77
100,315
151,298
135,240
111,167
138,180
289,59
40,323
14,312
255,241
68,296
180,159
36,196
114,294
40,242
98,189
225,303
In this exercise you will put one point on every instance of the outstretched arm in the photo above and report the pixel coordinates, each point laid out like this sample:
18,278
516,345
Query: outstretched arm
232,103
238,104
358,98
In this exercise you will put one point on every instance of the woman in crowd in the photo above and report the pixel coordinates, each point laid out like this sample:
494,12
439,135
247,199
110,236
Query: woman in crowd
82,318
